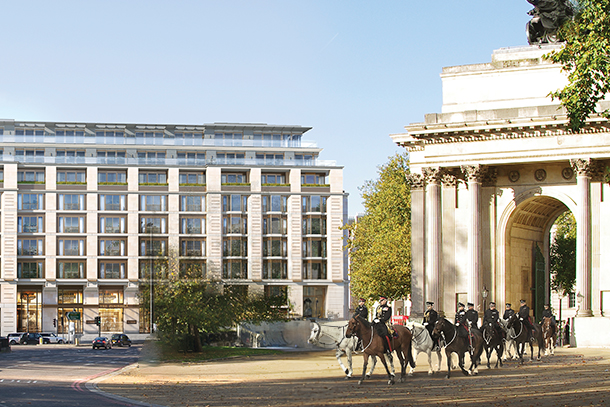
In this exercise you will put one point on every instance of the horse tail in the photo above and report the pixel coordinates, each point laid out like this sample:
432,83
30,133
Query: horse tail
410,356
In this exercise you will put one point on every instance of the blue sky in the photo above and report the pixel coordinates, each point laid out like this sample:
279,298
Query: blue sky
355,71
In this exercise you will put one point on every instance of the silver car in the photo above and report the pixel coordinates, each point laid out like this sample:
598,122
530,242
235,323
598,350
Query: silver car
51,338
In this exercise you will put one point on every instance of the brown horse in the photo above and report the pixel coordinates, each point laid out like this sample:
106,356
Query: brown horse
373,345
460,345
521,337
549,332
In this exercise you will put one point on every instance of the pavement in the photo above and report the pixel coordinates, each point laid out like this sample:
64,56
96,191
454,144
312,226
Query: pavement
572,377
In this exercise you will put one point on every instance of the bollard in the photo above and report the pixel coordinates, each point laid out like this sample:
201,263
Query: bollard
76,341
40,341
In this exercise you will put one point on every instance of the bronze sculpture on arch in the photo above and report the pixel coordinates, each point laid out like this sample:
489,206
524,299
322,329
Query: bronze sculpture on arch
547,17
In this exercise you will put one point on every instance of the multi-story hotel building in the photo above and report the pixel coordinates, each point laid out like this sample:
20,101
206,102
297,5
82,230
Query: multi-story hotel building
87,209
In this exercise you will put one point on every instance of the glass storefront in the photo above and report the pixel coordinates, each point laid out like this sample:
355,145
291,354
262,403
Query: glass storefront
111,311
70,300
29,309
314,299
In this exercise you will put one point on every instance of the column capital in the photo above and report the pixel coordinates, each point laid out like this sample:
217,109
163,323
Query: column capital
586,167
416,181
475,173
433,175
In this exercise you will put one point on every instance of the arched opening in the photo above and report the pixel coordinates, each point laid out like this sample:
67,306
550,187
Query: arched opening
527,273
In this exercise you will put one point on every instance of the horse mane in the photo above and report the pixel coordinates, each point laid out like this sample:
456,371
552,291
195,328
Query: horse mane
364,322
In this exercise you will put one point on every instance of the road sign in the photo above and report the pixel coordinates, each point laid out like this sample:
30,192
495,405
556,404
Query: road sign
73,316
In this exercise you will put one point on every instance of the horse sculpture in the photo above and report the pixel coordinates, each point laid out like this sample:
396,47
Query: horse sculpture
509,341
344,346
549,333
460,345
521,336
492,340
373,345
422,342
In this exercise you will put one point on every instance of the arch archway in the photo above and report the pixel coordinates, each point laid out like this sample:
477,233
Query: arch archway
525,228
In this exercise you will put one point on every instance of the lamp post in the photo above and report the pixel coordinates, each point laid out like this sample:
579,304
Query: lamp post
149,225
485,293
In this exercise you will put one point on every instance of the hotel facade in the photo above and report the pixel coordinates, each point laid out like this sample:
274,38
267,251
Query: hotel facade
88,209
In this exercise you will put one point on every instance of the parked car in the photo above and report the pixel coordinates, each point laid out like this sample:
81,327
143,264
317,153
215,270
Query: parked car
32,338
17,338
49,337
120,340
101,342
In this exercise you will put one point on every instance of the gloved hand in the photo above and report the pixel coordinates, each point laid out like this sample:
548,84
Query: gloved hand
425,324
457,324
376,320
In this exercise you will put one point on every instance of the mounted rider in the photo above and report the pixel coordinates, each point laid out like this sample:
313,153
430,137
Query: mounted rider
382,323
547,313
524,316
491,316
430,318
460,321
362,311
473,316
508,312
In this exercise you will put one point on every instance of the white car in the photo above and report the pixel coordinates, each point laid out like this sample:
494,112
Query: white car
51,338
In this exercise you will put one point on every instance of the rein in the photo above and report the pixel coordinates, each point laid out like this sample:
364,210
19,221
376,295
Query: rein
371,341
419,334
520,330
453,339
337,342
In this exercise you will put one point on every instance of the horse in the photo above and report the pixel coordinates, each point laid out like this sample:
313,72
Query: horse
374,345
458,344
344,346
509,341
422,342
549,332
492,340
521,337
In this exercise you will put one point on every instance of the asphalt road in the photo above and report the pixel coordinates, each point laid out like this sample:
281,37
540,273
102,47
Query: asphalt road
55,375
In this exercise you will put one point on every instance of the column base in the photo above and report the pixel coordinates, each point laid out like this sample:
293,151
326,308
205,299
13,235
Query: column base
584,313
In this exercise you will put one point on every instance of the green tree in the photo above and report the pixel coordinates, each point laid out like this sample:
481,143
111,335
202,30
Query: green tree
563,254
585,58
380,240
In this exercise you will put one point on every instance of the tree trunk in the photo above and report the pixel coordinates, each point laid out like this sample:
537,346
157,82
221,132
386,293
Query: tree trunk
195,333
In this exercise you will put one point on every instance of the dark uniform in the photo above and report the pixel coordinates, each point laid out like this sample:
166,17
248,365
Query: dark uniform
492,316
509,312
472,316
547,313
362,311
430,318
382,323
460,321
524,315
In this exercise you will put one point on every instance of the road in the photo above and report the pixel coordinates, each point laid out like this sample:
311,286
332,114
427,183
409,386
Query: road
55,375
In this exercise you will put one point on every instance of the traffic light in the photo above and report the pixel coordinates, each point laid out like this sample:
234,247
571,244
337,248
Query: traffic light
98,321
54,322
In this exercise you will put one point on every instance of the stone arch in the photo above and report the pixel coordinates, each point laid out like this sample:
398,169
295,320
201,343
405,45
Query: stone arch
523,226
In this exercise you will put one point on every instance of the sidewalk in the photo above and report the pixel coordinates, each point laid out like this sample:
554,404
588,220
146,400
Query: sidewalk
573,377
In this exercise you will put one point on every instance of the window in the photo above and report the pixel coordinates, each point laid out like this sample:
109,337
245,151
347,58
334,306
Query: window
153,225
29,202
111,157
152,178
192,247
111,296
192,203
275,269
228,136
234,224
1,171
313,179
275,203
235,269
112,177
314,225
71,177
153,203
71,247
29,132
275,247
192,226
153,247
112,247
314,203
30,224
111,270
572,300
191,158
113,203
71,202
314,270
70,269
235,247
70,153
273,179
69,296
30,177
304,158
234,178
29,269
270,159
71,224
30,247
192,178
159,267
235,203
29,156
192,269
275,225
314,248
112,224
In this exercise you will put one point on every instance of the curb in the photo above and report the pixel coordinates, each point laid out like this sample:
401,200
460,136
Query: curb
91,385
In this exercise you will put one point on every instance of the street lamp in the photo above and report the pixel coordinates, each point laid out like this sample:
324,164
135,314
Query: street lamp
149,225
485,293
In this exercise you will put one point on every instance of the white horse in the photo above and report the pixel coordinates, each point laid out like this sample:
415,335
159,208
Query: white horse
509,342
334,332
422,342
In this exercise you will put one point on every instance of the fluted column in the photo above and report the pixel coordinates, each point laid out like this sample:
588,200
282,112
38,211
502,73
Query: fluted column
433,177
474,176
584,169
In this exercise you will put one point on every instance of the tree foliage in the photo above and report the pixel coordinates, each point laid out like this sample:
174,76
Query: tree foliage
563,254
585,58
380,240
185,305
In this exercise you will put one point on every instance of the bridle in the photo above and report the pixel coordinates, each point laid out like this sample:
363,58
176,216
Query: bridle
443,333
371,341
320,334
512,323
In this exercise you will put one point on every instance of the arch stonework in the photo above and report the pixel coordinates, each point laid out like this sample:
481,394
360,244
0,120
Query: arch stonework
490,175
